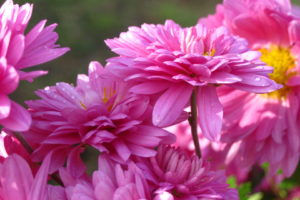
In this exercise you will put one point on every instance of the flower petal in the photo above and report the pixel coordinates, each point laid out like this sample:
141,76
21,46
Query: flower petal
210,112
170,105
5,104
18,120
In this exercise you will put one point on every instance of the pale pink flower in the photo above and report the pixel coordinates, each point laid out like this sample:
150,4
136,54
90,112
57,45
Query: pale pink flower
99,111
18,182
111,181
175,176
19,51
172,62
265,128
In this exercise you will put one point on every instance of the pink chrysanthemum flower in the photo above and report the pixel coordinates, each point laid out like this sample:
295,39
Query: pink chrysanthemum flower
270,121
111,181
99,112
18,182
173,174
19,51
173,62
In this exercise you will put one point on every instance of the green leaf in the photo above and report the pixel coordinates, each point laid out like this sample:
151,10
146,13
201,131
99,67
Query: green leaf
256,196
244,190
231,180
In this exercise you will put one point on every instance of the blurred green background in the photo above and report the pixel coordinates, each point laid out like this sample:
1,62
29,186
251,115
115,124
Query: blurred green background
83,25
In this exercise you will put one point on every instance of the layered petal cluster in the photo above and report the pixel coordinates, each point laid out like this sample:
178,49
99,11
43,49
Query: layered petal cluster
100,112
173,175
111,181
264,128
19,51
172,62
18,182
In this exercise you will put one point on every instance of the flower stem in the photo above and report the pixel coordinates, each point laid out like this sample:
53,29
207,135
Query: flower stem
23,142
193,122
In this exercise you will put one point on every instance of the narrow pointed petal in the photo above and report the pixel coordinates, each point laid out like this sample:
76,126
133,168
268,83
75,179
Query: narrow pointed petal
39,187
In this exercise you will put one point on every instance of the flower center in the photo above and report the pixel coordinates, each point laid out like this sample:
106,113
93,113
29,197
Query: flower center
283,62
210,53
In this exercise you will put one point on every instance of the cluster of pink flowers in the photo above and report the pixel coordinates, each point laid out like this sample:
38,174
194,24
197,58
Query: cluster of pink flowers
236,74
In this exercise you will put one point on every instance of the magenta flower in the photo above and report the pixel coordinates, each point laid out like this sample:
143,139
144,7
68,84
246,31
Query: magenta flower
19,51
111,181
174,175
173,62
270,121
17,181
99,112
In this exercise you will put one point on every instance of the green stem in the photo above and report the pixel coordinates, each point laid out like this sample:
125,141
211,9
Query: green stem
193,122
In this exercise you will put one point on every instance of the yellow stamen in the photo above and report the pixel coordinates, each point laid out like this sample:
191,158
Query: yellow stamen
210,53
107,94
82,105
283,62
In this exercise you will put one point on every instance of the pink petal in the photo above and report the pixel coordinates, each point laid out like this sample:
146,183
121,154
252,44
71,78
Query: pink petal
16,178
75,165
294,31
18,120
224,78
141,151
294,81
170,105
16,49
5,104
210,112
34,32
56,193
9,81
150,87
39,187
29,76
122,150
40,55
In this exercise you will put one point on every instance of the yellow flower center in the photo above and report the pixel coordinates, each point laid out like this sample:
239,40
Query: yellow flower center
210,53
108,93
283,62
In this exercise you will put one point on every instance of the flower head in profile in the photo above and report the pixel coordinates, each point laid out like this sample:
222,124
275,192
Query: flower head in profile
100,112
270,121
172,62
20,51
